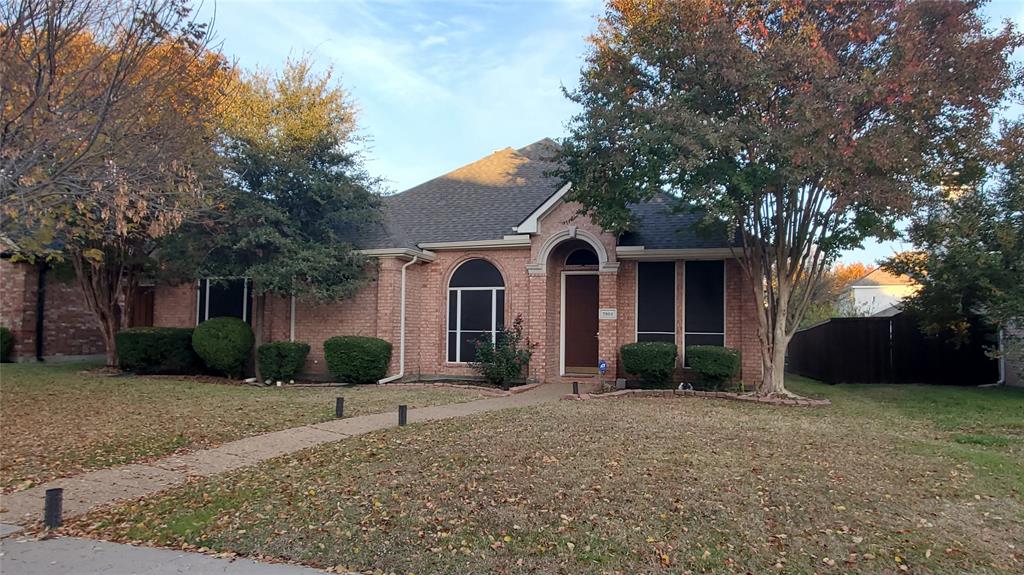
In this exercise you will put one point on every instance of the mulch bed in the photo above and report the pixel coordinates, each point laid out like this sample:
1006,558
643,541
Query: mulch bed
770,400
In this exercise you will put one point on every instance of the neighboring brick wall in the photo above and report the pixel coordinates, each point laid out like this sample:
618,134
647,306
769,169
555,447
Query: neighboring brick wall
69,328
175,306
18,305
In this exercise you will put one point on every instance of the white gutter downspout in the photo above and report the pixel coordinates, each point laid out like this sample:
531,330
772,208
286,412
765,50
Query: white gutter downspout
401,330
291,319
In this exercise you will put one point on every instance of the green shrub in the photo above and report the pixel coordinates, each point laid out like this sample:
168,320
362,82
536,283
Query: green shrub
504,361
715,365
157,350
357,359
653,362
6,344
282,360
224,344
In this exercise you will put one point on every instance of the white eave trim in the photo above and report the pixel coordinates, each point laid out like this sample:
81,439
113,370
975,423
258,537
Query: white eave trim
531,224
403,253
642,253
510,241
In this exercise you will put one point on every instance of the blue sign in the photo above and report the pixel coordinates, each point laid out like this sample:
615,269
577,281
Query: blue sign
602,366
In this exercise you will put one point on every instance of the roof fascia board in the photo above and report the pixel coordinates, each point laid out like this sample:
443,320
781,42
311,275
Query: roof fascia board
642,253
401,253
531,224
510,241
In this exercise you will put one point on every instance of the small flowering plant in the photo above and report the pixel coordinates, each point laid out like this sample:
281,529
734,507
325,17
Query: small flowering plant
504,361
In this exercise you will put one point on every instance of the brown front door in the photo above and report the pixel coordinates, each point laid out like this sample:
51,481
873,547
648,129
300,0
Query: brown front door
580,323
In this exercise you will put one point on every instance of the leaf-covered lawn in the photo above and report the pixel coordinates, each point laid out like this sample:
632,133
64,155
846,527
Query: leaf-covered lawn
56,421
868,485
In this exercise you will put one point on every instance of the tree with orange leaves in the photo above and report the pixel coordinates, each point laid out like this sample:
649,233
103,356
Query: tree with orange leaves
107,134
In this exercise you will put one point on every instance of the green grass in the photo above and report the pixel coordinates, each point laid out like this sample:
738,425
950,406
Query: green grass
57,421
980,427
681,485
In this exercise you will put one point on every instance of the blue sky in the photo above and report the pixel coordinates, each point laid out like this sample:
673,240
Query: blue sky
440,84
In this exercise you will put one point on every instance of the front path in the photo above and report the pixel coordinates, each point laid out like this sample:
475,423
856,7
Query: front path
85,492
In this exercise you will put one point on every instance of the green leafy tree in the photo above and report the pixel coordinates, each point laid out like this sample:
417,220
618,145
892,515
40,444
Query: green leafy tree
804,126
295,195
970,248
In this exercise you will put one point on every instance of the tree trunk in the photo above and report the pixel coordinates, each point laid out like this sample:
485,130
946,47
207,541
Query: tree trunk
103,281
774,369
259,304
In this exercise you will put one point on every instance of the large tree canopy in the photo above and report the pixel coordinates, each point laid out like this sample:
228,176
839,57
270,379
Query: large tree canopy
806,126
295,191
970,248
106,135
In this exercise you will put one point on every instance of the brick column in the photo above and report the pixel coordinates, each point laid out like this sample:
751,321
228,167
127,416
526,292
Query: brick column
537,319
608,340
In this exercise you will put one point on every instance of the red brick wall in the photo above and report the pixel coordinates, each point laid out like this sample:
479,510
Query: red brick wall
18,305
69,328
531,289
175,306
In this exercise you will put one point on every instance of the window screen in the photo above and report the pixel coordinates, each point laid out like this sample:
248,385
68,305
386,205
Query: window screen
224,298
705,303
656,301
476,308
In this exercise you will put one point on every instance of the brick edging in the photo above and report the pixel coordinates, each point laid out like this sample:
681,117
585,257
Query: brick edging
488,390
693,393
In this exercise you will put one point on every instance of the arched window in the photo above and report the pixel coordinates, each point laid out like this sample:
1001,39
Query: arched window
581,257
476,308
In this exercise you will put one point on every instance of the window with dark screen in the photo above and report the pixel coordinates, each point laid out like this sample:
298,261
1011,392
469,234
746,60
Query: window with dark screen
476,308
656,301
704,311
224,297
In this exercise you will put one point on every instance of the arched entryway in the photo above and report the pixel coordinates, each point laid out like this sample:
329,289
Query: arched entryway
574,265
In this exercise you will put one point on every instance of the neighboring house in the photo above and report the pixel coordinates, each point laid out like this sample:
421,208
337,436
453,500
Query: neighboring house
45,311
876,294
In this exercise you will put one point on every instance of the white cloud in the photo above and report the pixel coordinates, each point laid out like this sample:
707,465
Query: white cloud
433,40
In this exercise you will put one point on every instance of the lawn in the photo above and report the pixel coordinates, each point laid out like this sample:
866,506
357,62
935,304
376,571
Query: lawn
882,481
57,421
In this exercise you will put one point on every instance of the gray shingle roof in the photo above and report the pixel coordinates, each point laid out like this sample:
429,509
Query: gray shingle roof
660,227
484,200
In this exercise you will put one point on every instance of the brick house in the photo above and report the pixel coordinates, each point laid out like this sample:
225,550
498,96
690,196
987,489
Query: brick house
466,252
462,255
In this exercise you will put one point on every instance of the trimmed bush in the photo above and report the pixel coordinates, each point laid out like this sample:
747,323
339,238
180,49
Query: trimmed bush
717,366
157,350
653,362
224,344
6,344
357,359
282,360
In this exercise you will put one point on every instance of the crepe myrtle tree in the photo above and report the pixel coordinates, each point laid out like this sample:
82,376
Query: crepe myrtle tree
799,128
106,139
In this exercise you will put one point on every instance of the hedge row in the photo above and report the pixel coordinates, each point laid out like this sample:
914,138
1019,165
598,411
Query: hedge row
653,363
223,345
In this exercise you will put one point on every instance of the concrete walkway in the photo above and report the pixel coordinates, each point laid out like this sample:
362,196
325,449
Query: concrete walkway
87,491
71,555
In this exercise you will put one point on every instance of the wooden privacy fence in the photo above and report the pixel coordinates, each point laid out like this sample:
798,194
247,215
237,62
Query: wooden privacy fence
888,350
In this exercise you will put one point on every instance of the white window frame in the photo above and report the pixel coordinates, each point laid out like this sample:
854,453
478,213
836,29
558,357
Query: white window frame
204,296
725,316
636,300
458,320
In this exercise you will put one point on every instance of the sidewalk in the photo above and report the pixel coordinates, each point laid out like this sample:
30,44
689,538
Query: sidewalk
71,555
85,492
